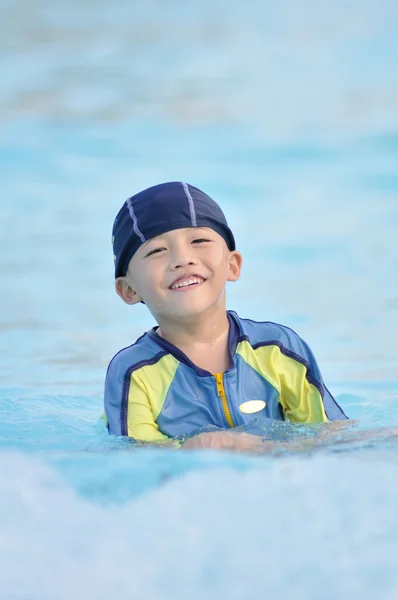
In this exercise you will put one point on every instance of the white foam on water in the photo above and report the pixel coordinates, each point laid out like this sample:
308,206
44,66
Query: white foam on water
305,528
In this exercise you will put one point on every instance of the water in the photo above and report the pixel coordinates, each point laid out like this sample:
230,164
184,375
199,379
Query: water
287,116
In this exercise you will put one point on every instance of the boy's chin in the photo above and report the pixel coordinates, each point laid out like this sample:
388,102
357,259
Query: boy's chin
187,312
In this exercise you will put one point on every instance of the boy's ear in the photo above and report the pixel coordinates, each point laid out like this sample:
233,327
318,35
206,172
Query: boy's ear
235,265
126,292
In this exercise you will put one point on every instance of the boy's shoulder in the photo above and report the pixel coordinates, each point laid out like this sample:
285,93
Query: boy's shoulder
261,333
143,351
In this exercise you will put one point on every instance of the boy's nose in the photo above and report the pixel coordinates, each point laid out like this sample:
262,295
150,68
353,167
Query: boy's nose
181,263
181,258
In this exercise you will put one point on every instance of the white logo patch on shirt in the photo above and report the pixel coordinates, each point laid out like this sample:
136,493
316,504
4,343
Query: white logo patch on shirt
252,406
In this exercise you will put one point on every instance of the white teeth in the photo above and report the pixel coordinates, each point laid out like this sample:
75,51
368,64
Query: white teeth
186,282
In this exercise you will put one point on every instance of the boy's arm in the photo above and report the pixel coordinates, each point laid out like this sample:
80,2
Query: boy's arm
303,395
127,407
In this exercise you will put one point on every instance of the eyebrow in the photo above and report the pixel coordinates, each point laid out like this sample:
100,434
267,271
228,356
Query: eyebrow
152,240
160,236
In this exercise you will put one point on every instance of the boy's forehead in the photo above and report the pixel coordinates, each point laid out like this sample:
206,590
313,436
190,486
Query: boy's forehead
176,233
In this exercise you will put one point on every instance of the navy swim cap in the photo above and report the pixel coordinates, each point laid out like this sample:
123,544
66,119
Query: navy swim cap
159,209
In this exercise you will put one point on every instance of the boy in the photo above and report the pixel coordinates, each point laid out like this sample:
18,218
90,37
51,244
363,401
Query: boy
203,366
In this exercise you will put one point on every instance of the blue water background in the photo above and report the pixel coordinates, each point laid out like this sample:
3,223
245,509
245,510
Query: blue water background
286,113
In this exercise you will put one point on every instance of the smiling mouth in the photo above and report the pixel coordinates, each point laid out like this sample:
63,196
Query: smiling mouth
187,283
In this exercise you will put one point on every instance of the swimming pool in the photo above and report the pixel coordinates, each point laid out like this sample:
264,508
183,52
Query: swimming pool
285,115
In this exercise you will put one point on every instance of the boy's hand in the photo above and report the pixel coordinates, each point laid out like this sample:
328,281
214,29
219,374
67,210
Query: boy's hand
227,440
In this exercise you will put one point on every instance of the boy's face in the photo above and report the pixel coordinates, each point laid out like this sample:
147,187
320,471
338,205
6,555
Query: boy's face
180,273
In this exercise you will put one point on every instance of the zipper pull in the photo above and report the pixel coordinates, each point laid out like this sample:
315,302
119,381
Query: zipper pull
218,377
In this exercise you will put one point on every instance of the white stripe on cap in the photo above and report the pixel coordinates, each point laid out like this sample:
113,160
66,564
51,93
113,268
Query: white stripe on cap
135,224
191,204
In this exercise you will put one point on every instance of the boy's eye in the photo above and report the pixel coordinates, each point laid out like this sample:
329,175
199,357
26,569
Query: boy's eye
200,240
155,251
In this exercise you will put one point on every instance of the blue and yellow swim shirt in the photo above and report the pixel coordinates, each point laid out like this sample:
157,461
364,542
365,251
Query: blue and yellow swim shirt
153,392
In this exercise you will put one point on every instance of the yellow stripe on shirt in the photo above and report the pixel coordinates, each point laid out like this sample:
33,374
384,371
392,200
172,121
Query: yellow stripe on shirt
301,401
148,390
